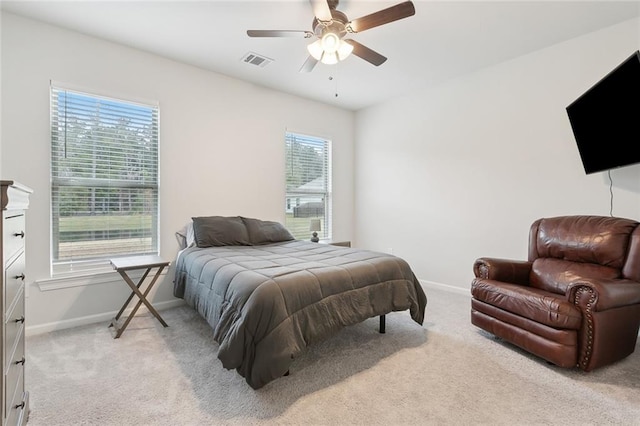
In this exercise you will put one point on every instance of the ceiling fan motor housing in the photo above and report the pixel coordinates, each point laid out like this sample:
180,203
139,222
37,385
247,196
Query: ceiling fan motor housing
337,25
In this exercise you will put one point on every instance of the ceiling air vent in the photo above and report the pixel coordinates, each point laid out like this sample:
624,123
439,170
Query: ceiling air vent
257,60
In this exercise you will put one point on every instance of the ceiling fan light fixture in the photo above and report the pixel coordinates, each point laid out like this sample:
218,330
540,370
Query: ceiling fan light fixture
329,58
330,42
344,50
315,49
329,49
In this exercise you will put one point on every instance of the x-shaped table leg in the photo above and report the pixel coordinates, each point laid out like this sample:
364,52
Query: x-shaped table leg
142,299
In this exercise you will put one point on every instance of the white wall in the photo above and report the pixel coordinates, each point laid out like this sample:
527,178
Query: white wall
222,146
445,176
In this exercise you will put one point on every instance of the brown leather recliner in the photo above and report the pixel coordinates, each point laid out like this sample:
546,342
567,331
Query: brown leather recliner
576,301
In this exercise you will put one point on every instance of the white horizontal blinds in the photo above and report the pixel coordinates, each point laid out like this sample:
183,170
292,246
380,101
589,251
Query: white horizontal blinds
308,185
104,174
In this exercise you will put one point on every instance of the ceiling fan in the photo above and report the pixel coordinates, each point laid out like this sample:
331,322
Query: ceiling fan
330,26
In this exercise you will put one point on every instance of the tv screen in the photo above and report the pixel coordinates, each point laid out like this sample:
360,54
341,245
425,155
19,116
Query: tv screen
606,119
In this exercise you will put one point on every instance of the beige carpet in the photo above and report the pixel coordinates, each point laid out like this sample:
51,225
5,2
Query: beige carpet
446,372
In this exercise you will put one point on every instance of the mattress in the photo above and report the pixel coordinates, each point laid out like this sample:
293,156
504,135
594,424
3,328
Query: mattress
267,303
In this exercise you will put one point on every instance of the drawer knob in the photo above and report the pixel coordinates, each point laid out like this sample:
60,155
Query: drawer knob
19,234
22,360
19,406
21,319
20,277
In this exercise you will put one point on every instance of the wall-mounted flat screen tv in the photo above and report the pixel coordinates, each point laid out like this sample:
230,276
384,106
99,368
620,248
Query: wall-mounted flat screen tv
606,119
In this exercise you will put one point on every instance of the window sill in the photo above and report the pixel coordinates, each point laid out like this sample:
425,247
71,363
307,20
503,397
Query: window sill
82,280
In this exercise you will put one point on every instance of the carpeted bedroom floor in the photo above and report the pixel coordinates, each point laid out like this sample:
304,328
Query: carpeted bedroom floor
445,372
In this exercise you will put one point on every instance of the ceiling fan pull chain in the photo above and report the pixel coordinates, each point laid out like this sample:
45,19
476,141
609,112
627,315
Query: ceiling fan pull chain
335,81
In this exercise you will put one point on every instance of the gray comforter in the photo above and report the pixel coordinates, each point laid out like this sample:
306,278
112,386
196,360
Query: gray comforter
267,303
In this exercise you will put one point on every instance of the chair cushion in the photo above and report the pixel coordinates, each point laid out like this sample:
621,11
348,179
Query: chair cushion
591,239
538,305
554,275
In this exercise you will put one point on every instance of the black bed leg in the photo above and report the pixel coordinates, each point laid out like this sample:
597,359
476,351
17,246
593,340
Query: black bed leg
382,324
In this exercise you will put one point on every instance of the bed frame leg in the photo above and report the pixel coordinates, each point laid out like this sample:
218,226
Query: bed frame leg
382,324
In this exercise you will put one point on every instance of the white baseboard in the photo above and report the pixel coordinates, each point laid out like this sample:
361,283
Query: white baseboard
92,319
446,287
107,316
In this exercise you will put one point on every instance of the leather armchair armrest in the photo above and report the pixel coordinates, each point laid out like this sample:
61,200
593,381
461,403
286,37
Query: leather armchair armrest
606,294
505,270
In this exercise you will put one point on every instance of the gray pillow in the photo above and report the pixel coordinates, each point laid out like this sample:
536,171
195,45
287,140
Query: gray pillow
214,231
265,232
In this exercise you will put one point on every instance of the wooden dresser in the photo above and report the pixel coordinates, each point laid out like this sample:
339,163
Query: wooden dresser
14,397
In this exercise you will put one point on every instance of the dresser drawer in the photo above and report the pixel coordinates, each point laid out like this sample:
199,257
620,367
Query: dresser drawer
19,413
13,327
13,282
12,234
14,377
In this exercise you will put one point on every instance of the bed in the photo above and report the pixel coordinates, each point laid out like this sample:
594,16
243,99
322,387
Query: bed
268,296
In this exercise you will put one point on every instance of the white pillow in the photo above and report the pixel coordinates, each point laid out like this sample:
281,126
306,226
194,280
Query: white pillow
186,237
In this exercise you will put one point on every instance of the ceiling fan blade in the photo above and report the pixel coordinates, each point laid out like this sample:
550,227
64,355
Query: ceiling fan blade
365,53
309,64
381,17
279,33
321,10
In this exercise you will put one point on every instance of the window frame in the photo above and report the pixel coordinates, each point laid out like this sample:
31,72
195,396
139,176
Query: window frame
326,192
100,264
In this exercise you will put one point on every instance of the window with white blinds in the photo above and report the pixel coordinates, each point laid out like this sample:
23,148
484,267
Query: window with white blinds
104,180
308,185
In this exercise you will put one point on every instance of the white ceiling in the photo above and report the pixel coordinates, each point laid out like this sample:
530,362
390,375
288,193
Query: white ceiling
444,39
